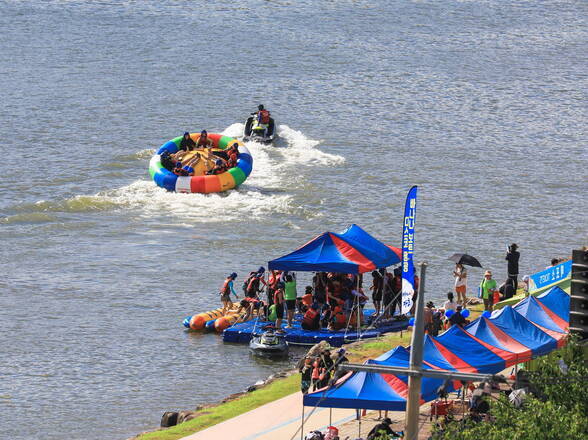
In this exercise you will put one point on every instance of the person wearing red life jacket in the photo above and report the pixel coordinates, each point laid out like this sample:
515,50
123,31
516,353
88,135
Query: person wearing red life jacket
311,319
262,117
225,292
181,170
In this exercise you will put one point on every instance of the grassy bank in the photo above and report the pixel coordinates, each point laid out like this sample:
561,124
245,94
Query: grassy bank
358,352
216,414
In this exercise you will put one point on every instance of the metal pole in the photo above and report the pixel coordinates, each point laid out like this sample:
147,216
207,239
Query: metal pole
302,427
330,416
416,360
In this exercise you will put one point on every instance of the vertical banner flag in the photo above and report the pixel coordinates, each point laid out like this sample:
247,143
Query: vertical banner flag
408,286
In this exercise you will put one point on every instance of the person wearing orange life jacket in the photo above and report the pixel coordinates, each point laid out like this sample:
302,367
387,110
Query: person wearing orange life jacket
311,319
307,299
225,292
316,373
203,140
233,153
219,167
272,282
339,320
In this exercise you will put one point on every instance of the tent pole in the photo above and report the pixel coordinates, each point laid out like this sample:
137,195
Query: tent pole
359,424
330,416
464,387
358,310
302,427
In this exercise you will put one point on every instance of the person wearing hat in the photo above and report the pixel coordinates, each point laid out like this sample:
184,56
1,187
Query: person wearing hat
225,292
512,256
332,433
526,279
381,430
487,289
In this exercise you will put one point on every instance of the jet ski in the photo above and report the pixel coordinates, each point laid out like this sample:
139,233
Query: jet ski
257,132
269,343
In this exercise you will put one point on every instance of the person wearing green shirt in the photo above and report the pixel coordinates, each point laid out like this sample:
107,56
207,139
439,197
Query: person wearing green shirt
290,298
488,287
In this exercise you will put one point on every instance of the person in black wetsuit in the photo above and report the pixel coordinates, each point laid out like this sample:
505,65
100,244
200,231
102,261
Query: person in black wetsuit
187,144
512,256
507,290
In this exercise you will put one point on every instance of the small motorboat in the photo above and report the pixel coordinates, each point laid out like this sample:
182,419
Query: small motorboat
269,343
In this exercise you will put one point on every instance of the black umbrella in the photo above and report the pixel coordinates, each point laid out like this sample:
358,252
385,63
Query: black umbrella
465,259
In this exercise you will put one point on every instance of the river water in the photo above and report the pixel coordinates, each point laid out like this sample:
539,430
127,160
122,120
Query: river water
481,103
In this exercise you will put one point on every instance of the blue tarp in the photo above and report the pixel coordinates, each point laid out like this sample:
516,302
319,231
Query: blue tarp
353,251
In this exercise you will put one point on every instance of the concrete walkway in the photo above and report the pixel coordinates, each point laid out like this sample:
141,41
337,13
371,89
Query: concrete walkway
278,420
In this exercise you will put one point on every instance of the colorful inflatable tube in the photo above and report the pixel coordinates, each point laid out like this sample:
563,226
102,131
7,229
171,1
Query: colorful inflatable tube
203,183
197,322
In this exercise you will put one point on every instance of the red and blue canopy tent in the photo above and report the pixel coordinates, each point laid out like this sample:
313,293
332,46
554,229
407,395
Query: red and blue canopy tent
352,251
534,327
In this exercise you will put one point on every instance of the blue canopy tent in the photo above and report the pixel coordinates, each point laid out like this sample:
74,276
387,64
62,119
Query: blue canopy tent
558,302
373,390
353,251
487,345
510,331
535,312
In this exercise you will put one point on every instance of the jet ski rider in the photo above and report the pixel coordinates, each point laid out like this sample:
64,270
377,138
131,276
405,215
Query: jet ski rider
262,116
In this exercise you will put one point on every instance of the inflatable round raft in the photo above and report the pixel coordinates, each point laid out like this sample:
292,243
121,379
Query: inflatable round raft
200,182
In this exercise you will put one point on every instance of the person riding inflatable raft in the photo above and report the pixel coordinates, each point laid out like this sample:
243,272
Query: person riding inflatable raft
207,168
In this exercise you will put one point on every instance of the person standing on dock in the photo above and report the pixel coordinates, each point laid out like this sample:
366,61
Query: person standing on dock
225,292
512,256
487,288
377,289
460,273
279,305
290,295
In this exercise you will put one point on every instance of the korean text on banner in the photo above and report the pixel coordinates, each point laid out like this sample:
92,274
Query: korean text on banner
408,250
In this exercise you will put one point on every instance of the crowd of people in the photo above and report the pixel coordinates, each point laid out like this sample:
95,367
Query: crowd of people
334,301
190,153
318,370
